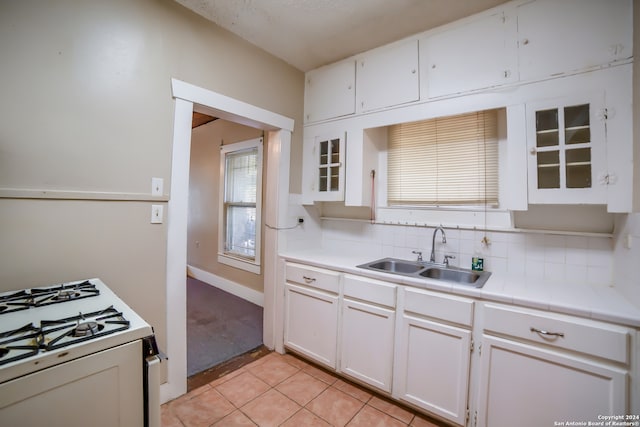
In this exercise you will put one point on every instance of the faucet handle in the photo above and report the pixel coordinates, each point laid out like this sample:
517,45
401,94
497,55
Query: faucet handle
419,253
447,258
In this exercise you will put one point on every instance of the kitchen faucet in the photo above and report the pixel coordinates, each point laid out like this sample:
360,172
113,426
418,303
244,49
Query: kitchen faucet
432,258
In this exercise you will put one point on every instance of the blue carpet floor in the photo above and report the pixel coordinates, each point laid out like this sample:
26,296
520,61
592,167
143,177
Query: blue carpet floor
220,326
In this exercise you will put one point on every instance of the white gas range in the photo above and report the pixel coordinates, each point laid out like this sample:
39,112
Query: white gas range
75,354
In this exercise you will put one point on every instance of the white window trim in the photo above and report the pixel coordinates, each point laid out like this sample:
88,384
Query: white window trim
466,216
253,266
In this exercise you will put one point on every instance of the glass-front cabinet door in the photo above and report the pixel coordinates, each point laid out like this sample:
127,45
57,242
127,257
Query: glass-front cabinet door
567,149
329,155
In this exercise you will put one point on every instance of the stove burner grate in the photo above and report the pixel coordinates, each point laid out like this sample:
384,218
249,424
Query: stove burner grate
83,327
38,297
62,293
19,343
20,300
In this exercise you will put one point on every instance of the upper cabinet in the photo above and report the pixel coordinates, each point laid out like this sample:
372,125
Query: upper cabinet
324,168
480,54
551,63
567,150
388,76
558,37
330,92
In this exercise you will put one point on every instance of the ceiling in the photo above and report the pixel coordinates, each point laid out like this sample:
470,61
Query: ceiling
311,33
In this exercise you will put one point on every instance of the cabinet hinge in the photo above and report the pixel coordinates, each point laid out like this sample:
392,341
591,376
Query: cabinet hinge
472,345
605,114
475,418
466,418
480,349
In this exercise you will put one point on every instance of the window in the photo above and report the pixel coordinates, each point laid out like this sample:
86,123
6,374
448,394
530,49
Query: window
241,187
449,161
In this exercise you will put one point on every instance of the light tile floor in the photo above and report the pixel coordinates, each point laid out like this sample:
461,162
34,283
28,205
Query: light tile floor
283,390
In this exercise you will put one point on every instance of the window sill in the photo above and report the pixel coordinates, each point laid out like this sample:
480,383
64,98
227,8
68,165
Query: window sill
242,264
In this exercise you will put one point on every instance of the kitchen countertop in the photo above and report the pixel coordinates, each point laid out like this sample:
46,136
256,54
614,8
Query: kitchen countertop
594,302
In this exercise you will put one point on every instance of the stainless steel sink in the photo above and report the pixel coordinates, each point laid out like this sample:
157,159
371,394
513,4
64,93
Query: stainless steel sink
429,270
450,275
395,266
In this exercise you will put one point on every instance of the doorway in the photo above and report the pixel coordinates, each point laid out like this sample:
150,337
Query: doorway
224,300
187,99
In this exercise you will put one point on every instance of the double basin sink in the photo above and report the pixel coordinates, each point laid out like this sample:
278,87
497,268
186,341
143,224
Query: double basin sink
429,270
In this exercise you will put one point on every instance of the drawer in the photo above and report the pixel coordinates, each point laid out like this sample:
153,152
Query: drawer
314,277
450,308
370,290
561,331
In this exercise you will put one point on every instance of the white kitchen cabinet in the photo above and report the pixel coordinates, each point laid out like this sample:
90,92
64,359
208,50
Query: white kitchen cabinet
433,353
330,92
311,312
388,76
324,168
566,143
367,336
477,53
559,37
529,359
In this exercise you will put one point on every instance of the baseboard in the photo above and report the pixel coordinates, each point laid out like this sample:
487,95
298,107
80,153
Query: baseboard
227,285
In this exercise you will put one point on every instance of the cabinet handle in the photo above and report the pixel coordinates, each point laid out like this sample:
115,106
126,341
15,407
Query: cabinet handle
533,151
308,279
546,333
525,41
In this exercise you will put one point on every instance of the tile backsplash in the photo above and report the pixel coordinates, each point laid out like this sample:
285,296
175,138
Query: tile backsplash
572,259
627,256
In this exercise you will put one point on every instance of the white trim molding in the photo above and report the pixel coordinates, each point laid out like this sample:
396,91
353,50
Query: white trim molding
226,108
226,285
189,98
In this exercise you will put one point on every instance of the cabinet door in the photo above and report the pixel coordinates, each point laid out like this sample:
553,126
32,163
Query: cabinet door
567,150
524,384
311,323
330,92
557,37
367,330
388,76
479,54
432,367
327,168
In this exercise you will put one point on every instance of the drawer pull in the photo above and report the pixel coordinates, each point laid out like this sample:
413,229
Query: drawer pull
547,333
308,279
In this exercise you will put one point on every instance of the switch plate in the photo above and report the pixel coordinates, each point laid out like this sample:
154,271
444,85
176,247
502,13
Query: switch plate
157,186
156,214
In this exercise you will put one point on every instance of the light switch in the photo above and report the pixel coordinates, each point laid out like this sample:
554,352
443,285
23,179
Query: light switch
156,186
156,214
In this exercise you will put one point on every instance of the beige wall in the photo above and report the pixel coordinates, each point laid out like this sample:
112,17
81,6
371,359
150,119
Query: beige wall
86,106
204,194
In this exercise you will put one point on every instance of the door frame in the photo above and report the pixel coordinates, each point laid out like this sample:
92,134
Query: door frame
189,98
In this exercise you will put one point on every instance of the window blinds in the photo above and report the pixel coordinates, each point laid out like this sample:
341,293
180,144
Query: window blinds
444,161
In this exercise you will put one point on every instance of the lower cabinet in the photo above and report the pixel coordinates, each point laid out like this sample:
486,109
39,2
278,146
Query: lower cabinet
311,323
368,327
527,366
311,313
524,384
433,358
540,368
